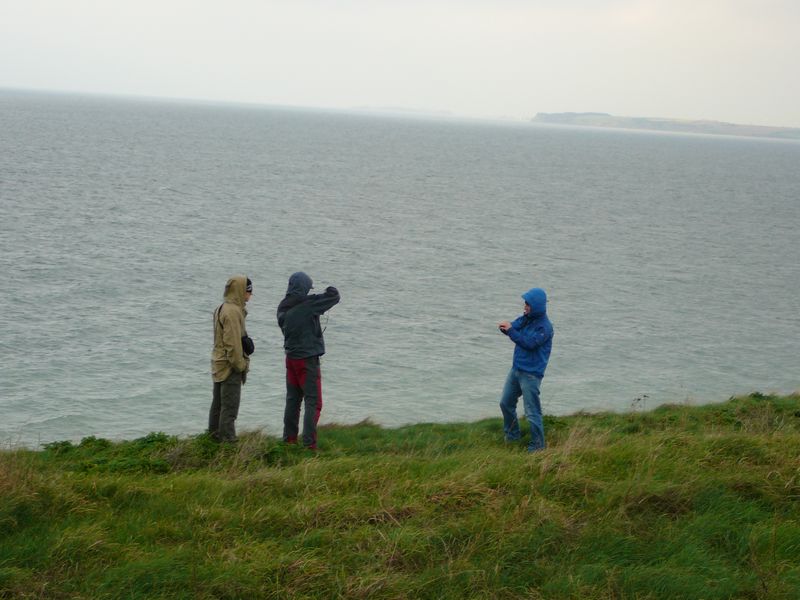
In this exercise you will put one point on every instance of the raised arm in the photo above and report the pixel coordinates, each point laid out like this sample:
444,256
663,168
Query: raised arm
319,303
529,339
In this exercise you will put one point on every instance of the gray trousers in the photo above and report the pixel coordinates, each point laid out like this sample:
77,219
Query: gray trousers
303,386
225,408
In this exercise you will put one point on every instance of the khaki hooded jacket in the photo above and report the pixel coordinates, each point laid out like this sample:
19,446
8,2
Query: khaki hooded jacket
228,356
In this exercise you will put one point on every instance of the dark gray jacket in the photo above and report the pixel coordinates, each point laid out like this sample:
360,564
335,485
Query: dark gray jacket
298,317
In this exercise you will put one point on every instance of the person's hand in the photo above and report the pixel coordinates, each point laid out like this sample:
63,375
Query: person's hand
504,326
331,291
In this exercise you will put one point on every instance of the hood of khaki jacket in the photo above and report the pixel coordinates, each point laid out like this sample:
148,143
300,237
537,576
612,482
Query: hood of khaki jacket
235,290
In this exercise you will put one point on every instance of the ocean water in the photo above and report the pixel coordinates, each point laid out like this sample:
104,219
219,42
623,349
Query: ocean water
672,262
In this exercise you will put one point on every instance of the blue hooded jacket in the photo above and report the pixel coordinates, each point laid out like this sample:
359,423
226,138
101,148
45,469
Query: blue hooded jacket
532,335
298,316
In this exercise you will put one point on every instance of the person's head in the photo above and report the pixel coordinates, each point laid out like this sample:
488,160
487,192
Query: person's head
236,290
535,302
299,284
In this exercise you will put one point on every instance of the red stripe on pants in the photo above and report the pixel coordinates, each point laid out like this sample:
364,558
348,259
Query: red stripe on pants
297,373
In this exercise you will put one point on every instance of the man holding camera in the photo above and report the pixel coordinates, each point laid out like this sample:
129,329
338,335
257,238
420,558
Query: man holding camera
532,334
298,317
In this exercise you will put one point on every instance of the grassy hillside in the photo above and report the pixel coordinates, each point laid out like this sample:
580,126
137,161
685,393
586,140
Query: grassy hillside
680,502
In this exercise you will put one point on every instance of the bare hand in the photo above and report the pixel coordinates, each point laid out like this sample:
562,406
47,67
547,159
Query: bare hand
504,326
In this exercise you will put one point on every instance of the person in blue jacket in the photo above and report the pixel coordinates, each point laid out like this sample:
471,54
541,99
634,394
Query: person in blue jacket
532,334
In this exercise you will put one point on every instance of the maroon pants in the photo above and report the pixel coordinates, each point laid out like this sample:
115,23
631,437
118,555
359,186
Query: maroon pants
303,384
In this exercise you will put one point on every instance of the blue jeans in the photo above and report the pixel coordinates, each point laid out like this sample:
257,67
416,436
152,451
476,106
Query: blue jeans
519,383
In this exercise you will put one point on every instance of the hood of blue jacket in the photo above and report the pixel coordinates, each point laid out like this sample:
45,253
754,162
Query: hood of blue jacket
536,298
299,284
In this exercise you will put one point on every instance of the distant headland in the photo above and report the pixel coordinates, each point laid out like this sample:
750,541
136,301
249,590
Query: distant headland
593,119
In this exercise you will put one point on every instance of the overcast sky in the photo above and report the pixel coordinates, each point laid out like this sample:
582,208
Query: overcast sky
728,60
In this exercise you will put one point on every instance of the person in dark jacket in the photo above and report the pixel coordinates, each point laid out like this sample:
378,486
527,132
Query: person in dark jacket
298,318
532,334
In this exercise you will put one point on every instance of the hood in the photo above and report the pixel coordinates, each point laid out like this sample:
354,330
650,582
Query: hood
299,284
235,290
537,300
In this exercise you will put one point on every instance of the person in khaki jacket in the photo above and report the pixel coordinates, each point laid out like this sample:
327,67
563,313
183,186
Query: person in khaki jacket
230,358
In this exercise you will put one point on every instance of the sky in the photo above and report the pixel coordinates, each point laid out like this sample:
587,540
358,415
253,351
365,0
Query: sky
725,60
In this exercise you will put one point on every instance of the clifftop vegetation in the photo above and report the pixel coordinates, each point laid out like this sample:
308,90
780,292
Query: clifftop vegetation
678,502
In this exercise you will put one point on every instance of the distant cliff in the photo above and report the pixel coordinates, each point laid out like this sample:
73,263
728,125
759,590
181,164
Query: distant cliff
591,119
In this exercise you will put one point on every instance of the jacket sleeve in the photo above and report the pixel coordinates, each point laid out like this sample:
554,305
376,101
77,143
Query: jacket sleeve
232,341
319,303
529,338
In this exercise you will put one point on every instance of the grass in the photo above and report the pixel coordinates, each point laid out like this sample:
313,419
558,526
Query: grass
678,502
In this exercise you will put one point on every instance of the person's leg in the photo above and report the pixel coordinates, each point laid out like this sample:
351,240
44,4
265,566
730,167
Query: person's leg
508,406
213,413
530,385
312,390
295,372
230,396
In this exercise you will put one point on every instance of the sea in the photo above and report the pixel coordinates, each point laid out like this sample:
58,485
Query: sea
671,262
